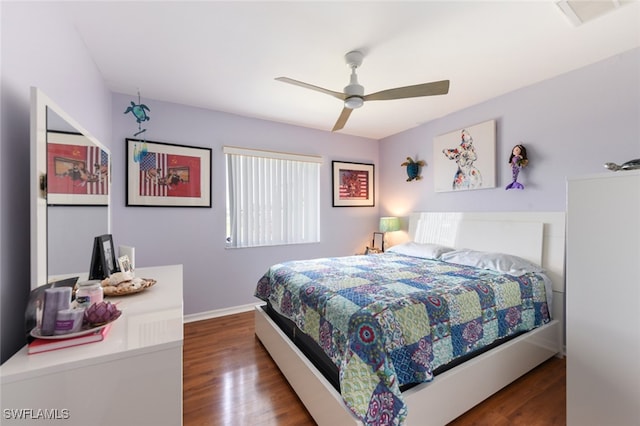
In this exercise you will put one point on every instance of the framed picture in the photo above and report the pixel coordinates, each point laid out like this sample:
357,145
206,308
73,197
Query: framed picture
377,243
353,184
124,263
465,159
103,258
77,171
167,175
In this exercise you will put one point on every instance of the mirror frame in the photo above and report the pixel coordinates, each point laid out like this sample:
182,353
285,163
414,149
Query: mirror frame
40,103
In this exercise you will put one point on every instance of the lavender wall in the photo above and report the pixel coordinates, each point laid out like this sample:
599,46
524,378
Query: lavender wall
216,277
570,126
39,48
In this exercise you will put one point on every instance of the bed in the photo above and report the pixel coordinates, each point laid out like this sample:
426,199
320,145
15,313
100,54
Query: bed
385,382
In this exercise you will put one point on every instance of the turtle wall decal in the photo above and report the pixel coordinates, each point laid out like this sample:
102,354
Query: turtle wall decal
413,168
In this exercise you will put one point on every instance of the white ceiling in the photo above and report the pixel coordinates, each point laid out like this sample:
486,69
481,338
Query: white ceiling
224,56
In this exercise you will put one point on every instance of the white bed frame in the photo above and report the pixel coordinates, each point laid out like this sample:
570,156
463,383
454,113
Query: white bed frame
538,237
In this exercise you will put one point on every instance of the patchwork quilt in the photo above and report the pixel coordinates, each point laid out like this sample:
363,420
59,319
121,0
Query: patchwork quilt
388,320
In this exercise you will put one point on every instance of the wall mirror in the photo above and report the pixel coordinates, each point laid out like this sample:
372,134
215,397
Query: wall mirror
70,192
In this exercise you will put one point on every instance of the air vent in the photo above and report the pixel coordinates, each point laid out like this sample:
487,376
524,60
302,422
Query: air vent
580,11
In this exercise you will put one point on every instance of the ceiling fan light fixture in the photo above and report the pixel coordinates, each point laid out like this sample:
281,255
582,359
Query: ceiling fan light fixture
353,102
353,95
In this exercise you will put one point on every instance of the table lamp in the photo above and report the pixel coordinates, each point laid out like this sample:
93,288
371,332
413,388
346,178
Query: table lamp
388,224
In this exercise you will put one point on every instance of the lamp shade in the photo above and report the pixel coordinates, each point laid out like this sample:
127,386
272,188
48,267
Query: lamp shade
389,224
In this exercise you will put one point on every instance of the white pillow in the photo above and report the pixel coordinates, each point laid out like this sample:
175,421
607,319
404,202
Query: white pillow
425,251
499,262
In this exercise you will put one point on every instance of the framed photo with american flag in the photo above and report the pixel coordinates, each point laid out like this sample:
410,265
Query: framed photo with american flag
77,171
167,175
353,184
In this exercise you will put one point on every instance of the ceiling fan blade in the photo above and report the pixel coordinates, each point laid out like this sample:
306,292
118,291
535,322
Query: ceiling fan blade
426,89
342,120
338,95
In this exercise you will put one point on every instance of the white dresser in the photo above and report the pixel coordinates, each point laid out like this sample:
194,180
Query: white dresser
603,300
133,377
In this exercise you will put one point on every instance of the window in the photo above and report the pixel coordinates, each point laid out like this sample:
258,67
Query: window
272,198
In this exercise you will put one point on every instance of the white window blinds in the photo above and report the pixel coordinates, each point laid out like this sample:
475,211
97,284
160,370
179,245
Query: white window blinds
272,198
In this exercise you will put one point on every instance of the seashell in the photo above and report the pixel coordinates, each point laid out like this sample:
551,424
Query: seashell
117,278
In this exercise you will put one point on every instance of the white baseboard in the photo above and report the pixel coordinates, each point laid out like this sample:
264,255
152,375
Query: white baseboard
200,316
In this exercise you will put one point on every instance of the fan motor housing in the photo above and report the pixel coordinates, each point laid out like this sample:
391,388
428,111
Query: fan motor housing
354,90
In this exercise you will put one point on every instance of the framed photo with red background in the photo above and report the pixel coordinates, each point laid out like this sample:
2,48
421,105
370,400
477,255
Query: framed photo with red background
167,175
78,171
353,184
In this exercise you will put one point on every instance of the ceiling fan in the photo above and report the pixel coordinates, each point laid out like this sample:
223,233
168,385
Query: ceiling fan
353,95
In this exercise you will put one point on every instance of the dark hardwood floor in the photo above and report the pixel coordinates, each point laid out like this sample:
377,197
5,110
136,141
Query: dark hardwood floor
229,379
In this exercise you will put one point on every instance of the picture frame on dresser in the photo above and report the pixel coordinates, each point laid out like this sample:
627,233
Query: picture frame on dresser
103,259
124,263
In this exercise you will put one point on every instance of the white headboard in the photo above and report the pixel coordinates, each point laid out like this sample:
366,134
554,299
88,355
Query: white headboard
535,236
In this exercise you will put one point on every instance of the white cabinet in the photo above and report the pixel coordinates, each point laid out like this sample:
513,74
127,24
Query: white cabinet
133,377
603,300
